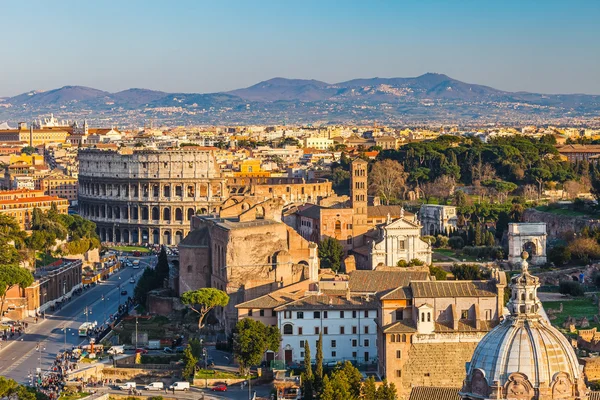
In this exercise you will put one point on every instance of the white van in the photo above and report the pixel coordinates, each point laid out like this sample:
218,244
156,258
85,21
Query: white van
180,386
127,386
155,386
116,350
136,264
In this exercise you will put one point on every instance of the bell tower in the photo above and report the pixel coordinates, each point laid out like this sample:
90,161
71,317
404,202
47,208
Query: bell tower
358,193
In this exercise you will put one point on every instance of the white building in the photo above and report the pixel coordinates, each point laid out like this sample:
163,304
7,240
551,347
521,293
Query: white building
348,325
436,219
398,240
318,143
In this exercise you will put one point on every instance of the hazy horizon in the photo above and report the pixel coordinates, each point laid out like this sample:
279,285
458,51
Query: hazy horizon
202,47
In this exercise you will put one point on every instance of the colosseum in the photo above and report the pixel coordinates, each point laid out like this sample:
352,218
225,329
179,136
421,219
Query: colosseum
148,196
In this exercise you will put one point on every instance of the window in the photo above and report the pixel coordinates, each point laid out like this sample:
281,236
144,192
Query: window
342,329
338,226
353,354
287,314
393,338
316,330
403,338
324,314
366,313
398,373
300,315
333,354
366,330
422,317
249,313
341,314
302,344
464,314
354,314
261,313
288,329
301,354
333,343
366,356
273,313
299,330
349,239
428,317
317,314
400,314
402,244
398,352
366,343
325,331
354,342
427,374
354,330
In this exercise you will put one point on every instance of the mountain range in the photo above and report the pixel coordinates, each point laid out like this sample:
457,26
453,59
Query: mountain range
429,97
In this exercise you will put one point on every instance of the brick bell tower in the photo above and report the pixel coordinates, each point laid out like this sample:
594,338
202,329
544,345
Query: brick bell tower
358,192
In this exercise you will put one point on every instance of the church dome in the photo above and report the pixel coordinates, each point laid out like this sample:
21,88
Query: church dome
524,357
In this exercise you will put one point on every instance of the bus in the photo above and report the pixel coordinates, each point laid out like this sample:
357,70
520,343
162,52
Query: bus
83,329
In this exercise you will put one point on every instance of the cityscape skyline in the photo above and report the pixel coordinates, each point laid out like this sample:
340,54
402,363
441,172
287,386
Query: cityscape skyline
509,45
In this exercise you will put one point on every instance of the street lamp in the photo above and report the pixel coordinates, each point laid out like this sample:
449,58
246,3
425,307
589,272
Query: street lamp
87,312
39,350
65,329
104,306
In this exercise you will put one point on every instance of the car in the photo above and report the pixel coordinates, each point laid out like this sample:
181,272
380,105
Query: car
136,253
155,386
168,350
132,280
179,349
141,351
123,292
184,386
219,388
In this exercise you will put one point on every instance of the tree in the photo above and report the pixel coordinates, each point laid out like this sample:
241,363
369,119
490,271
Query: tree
467,272
326,392
251,339
387,391
189,362
196,347
456,242
571,288
387,178
307,377
11,276
559,255
442,188
162,266
331,253
502,224
540,175
203,300
369,390
439,273
29,150
572,189
585,249
353,376
318,375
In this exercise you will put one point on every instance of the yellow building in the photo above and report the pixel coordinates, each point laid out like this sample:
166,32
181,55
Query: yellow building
34,137
20,204
34,159
60,185
251,168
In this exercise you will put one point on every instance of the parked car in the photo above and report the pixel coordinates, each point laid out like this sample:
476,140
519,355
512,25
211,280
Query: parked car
132,280
155,386
180,349
123,292
168,350
127,386
221,387
184,386
116,350
141,351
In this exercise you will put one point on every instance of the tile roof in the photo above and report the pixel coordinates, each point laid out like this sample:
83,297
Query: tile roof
464,326
434,393
452,289
270,300
324,302
310,211
383,211
401,293
405,326
378,281
196,238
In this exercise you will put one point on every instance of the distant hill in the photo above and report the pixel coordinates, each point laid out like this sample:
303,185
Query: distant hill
426,98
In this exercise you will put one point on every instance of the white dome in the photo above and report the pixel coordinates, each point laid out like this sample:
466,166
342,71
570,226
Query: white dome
527,346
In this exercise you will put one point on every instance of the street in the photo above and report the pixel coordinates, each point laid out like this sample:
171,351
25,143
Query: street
20,357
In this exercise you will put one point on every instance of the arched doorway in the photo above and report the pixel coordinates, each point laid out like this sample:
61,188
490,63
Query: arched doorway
155,214
155,236
167,237
126,235
135,236
103,234
178,237
117,235
530,248
145,236
167,214
190,213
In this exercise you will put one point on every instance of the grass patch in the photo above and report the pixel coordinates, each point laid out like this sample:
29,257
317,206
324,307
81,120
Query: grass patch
73,396
160,359
156,327
577,308
569,212
215,374
130,249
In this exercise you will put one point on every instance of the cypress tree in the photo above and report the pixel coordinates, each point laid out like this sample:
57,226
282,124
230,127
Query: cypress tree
307,377
318,376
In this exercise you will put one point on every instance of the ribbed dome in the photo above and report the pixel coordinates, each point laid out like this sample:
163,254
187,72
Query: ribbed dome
531,347
524,357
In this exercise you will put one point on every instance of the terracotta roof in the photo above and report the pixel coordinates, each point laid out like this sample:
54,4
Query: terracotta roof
452,289
378,281
435,393
310,211
401,293
31,200
579,148
196,238
405,326
270,300
324,302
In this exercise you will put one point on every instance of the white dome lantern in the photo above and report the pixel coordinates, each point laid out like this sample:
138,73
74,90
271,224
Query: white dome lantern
524,357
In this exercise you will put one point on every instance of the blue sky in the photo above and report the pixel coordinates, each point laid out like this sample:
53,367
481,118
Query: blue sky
206,46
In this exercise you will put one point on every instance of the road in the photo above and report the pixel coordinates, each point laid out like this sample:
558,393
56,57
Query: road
234,392
38,348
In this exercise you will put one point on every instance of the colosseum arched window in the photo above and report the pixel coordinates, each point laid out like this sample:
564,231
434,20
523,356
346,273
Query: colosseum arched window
178,214
155,213
167,214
